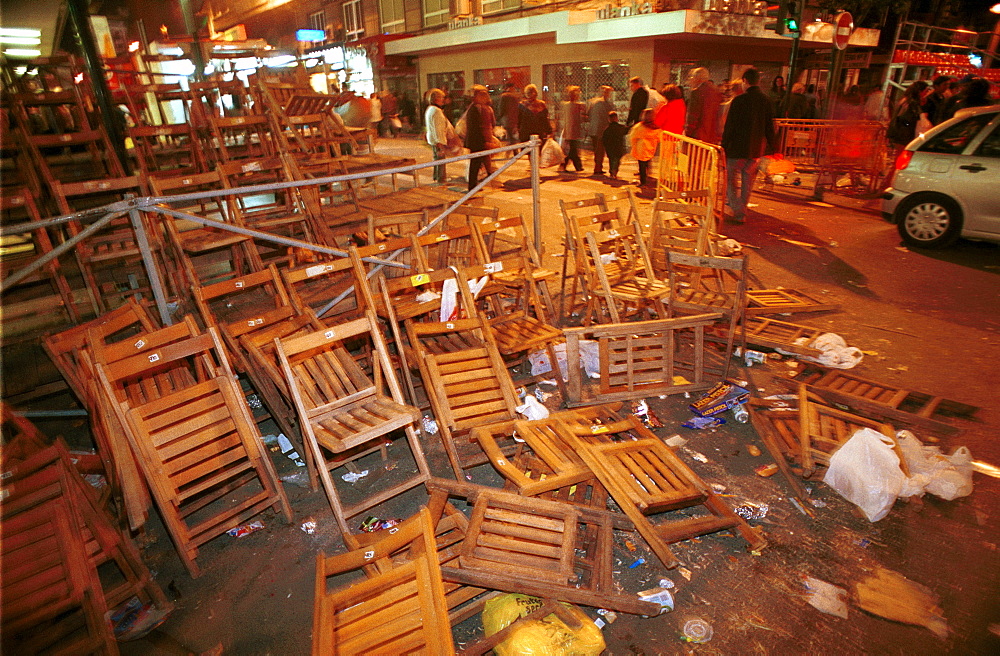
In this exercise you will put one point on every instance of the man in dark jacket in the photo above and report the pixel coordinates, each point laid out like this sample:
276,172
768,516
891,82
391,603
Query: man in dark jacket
749,135
639,101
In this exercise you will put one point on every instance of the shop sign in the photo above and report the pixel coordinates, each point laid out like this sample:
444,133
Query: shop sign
738,7
634,9
459,22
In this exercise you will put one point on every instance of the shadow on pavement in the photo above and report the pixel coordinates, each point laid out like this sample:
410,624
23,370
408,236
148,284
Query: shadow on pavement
796,248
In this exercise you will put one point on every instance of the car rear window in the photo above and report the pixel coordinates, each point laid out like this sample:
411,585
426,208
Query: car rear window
954,139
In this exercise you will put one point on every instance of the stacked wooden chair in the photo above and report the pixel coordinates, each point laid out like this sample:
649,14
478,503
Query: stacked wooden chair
196,441
343,410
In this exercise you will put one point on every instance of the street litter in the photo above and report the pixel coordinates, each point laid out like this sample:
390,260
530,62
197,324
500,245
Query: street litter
308,526
753,450
548,635
354,477
765,471
532,409
697,630
245,529
947,477
589,357
834,351
637,562
724,396
661,596
675,441
134,619
826,597
700,457
865,471
641,410
891,595
749,510
700,423
372,524
429,425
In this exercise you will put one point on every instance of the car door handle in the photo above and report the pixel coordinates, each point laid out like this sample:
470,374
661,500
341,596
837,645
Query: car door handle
974,168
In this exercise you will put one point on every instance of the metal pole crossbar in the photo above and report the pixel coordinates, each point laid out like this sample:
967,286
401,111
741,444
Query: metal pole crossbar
160,205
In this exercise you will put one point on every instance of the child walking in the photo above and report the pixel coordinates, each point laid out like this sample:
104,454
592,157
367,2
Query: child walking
614,143
644,137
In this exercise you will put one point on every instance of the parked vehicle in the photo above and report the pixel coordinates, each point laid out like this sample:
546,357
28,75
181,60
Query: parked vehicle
946,182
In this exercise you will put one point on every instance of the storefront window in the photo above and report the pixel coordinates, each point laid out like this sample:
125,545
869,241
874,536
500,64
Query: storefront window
354,24
492,6
589,76
436,12
453,85
392,16
495,79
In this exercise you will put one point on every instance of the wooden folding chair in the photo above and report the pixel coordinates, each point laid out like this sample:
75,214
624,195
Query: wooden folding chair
510,237
645,477
399,611
49,593
577,227
250,312
18,206
626,277
198,444
71,352
466,387
244,137
342,410
783,301
206,253
883,400
165,150
700,283
281,212
110,259
534,546
45,479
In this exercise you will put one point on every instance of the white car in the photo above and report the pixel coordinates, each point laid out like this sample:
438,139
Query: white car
946,182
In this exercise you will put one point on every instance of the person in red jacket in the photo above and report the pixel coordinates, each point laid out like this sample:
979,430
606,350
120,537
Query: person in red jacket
670,116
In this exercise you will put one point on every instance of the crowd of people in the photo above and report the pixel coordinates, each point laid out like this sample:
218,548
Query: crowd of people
738,115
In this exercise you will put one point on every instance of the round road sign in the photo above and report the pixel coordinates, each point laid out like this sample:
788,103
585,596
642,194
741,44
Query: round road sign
843,25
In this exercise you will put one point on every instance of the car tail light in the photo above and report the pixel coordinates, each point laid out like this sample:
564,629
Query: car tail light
903,159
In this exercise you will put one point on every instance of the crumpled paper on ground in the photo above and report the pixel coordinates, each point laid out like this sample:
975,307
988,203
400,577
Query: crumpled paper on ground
834,350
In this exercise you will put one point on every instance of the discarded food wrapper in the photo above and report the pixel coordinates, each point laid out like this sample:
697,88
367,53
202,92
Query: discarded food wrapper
718,488
661,596
700,457
609,615
826,597
309,526
299,478
766,470
372,524
749,510
640,409
701,423
723,396
532,409
354,477
245,529
666,583
429,425
697,630
134,619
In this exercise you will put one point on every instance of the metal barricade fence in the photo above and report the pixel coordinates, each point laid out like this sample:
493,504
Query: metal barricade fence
836,150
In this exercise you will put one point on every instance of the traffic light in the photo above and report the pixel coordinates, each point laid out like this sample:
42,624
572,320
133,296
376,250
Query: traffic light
792,18
779,13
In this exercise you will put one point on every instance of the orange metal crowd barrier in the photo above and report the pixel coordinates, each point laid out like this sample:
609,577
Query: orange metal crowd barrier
847,155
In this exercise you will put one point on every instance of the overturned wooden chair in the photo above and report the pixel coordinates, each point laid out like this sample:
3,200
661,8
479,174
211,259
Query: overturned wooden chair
198,444
344,411
466,387
401,610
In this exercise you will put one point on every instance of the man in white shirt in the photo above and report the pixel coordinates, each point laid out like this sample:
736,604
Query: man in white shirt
439,129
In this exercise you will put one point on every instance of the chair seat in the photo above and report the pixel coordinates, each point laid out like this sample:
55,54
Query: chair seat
197,241
356,423
640,289
520,332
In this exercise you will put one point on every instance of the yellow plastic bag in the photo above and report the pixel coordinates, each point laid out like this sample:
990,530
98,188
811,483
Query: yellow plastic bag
546,637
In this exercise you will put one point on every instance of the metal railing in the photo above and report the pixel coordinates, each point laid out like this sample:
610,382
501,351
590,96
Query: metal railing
688,164
833,149
99,217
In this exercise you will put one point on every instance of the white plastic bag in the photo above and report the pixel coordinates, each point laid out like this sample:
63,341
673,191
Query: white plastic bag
865,471
532,409
552,154
588,354
947,477
834,351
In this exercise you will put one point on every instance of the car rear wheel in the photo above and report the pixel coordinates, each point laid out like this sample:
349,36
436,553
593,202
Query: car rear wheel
929,221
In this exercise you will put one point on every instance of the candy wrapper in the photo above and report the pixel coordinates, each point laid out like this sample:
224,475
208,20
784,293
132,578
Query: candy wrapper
245,529
372,524
642,412
724,396
701,423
